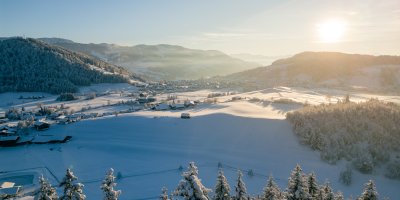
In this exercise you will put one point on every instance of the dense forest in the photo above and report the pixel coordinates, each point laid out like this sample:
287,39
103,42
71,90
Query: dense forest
31,65
367,134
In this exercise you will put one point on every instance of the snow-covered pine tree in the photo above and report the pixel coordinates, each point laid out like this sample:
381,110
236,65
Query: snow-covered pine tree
68,185
297,187
312,185
329,195
272,191
46,192
190,187
108,186
77,192
320,195
240,188
222,188
369,192
339,196
164,194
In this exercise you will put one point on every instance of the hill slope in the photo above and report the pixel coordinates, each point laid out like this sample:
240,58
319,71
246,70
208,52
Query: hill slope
32,65
330,69
161,61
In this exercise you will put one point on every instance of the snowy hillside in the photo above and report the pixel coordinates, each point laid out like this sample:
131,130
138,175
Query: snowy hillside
244,131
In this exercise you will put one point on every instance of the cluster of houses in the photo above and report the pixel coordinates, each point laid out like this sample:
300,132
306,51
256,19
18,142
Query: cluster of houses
174,106
9,136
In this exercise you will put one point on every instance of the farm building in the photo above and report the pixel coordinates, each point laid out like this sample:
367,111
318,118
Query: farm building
185,115
41,126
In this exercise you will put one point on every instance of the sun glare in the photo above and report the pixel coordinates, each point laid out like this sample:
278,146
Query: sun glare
331,31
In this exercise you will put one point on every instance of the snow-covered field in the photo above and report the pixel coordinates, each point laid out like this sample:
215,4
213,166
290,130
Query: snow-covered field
147,147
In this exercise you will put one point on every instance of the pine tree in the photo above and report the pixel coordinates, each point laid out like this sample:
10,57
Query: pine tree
312,185
272,191
297,188
222,188
68,185
369,192
46,192
190,187
329,195
240,188
77,192
164,194
339,196
108,186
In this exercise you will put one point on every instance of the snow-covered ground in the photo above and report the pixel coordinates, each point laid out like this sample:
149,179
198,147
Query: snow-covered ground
147,147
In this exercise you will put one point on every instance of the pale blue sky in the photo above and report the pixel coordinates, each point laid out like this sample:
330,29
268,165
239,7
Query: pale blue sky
276,27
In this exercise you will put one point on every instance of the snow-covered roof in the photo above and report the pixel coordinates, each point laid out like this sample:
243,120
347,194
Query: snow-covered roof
8,138
162,106
9,191
7,185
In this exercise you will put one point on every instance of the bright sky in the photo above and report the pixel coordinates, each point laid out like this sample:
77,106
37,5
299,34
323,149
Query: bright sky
266,27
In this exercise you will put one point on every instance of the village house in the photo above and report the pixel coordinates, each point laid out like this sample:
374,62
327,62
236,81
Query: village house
162,106
178,106
185,115
41,125
2,115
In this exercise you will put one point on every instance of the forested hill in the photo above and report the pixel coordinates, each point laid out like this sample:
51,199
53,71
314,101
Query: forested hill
329,69
31,65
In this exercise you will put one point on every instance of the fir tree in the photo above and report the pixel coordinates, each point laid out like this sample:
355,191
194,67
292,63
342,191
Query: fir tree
329,195
46,192
164,194
77,192
312,185
320,195
222,188
272,191
108,186
68,185
369,192
297,188
190,187
339,196
240,188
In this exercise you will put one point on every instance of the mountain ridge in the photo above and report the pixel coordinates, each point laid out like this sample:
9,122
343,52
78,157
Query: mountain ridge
163,61
328,69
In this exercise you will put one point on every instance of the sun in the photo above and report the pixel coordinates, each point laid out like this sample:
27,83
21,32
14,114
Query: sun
331,31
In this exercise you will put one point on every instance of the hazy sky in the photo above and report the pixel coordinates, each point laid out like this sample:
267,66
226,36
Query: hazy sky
267,27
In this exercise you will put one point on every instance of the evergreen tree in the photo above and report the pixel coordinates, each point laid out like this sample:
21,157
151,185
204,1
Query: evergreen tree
190,187
297,187
369,192
46,192
339,196
68,185
240,188
329,195
312,185
320,195
271,191
222,188
108,186
77,192
164,194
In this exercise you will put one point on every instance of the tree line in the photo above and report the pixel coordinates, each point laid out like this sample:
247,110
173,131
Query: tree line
301,186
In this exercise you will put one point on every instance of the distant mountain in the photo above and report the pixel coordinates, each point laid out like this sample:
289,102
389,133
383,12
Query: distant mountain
330,69
32,65
162,61
257,59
